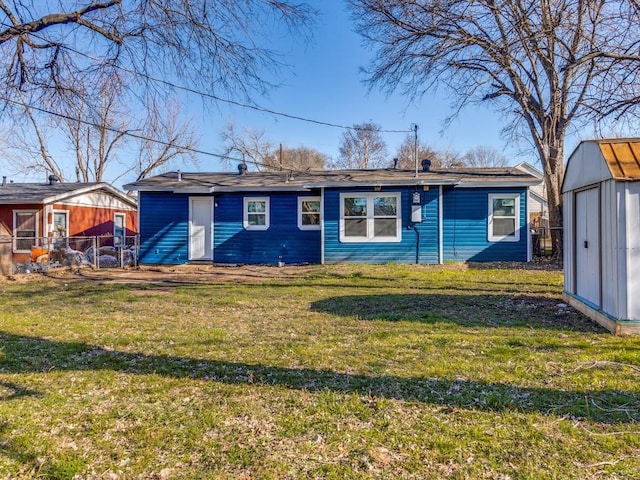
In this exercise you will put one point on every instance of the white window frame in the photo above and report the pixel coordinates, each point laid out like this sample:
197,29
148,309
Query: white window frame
301,225
370,237
124,227
504,238
15,230
245,215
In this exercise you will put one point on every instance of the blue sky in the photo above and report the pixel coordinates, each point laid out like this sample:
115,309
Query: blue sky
324,83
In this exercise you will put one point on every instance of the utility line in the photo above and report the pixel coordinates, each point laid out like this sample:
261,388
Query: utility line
130,133
115,130
215,97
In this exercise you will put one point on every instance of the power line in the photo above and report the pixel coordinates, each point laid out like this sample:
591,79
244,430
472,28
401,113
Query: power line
130,133
216,97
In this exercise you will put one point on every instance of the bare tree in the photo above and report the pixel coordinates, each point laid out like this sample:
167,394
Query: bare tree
98,140
58,49
406,153
482,156
297,158
179,141
548,65
363,147
25,146
58,55
253,148
248,146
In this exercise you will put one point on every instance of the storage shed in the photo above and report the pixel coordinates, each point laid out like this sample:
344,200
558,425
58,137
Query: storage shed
601,202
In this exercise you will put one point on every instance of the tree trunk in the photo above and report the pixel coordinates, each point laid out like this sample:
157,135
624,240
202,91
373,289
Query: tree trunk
553,182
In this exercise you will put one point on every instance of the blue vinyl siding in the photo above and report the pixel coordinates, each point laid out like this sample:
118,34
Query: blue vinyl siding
380,252
164,219
465,214
282,240
164,225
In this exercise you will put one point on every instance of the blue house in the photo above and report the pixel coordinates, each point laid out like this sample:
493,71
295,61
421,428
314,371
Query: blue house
358,216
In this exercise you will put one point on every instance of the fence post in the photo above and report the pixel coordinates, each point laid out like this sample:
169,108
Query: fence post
96,263
136,241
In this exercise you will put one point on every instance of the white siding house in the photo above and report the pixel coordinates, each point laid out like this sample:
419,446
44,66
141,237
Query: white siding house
601,205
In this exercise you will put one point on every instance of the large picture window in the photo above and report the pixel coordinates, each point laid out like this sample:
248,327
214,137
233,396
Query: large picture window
504,218
25,230
370,217
256,213
309,213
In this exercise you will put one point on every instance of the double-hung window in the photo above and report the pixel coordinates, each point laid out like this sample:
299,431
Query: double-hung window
25,230
256,213
504,217
309,213
370,217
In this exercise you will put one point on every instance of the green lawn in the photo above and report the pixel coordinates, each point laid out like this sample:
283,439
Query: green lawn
323,372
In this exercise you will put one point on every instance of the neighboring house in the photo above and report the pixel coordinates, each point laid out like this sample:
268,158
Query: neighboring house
37,213
355,216
601,205
538,206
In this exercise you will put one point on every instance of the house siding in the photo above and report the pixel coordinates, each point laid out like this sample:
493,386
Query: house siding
164,231
282,241
405,251
164,226
465,234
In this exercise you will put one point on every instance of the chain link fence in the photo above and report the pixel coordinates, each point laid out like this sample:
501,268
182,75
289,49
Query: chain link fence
542,242
44,253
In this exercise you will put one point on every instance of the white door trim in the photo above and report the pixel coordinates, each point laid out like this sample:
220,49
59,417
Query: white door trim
200,232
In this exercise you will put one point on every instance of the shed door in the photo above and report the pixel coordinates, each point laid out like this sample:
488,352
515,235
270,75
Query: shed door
587,246
200,228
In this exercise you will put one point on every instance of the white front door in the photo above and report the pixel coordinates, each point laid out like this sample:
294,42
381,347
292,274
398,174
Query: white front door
200,228
587,246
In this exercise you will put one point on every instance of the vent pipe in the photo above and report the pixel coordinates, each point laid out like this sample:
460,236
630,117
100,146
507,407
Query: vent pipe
4,180
395,163
179,172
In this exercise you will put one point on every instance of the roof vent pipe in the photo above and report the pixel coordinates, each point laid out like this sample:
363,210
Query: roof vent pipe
179,172
4,180
395,163
426,165
53,179
242,168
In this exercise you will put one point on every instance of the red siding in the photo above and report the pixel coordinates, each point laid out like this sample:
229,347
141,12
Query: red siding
93,221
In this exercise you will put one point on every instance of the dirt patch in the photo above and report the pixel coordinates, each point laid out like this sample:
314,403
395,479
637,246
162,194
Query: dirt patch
164,277
168,276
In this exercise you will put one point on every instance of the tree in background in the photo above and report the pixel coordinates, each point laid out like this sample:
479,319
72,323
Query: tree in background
101,139
253,148
56,55
406,154
486,157
300,159
362,146
547,65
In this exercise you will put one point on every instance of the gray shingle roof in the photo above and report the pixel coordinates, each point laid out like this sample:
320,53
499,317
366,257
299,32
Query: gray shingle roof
225,182
41,193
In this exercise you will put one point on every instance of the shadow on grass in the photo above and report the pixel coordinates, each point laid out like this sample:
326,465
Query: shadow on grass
465,310
28,354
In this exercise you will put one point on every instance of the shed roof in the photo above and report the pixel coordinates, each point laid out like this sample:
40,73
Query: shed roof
622,157
45,193
286,180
